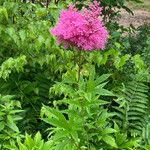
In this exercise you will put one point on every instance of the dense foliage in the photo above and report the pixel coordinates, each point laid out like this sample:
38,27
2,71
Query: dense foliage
53,98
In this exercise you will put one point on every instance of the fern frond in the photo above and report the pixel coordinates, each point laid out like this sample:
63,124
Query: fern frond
133,107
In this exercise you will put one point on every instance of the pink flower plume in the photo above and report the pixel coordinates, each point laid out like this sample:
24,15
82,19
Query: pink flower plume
82,29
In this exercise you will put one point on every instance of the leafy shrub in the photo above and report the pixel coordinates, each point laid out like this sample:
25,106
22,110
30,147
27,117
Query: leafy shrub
9,109
29,143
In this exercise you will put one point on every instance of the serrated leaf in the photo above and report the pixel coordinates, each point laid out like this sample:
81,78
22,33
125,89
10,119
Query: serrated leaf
110,141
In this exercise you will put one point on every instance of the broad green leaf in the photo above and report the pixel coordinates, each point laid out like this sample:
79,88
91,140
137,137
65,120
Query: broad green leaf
110,141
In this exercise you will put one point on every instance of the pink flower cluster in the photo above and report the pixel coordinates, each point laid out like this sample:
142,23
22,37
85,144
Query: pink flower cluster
82,29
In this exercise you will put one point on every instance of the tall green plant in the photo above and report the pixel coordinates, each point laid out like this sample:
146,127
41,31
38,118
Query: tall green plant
84,124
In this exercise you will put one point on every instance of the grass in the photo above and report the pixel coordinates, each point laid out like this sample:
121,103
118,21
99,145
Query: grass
145,5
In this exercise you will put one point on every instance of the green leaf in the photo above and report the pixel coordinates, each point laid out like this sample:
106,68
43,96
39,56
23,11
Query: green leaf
29,142
47,145
2,125
38,140
110,141
102,78
108,131
22,34
3,11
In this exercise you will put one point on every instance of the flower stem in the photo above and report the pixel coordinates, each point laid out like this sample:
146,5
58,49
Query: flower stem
79,65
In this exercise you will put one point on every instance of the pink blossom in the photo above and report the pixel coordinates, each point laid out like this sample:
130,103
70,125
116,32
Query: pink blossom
82,29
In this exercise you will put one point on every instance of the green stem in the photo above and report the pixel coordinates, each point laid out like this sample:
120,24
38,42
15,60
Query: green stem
79,65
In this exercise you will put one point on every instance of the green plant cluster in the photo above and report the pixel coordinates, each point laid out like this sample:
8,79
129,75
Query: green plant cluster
57,99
